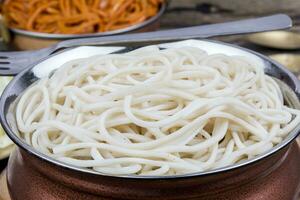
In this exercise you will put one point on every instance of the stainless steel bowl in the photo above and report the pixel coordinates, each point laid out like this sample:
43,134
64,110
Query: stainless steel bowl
289,84
263,177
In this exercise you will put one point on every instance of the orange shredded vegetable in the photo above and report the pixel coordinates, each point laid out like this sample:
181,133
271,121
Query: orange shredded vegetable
77,16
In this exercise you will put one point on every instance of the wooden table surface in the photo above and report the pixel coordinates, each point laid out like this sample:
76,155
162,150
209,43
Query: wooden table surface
182,13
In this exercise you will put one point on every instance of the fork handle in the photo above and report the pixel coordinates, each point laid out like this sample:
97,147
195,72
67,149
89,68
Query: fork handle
268,23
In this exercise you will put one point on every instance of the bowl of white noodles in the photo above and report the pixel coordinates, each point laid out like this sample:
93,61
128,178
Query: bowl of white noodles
166,113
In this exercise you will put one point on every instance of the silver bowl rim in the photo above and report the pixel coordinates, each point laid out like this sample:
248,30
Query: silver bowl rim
73,36
29,149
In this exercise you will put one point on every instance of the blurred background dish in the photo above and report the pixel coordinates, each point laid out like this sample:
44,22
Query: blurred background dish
37,24
276,39
77,17
6,145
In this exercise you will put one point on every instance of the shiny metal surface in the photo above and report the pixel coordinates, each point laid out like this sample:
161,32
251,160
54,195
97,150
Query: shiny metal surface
14,62
289,84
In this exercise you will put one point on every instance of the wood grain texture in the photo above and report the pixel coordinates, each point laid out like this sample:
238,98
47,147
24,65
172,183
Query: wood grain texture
191,12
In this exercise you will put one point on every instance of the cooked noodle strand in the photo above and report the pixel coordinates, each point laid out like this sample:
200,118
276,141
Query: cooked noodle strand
174,111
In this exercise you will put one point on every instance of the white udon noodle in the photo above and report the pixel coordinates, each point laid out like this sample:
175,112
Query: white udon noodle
155,112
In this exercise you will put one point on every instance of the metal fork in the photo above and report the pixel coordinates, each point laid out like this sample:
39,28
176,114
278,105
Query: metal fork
12,63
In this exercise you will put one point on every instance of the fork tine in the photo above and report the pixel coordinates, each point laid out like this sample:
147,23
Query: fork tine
4,62
16,60
16,54
11,70
8,55
11,53
27,56
10,65
4,68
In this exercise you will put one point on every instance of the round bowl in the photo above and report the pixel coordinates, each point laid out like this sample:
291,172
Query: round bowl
33,175
28,40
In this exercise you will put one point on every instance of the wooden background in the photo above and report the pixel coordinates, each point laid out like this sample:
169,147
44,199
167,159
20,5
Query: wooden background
181,13
193,12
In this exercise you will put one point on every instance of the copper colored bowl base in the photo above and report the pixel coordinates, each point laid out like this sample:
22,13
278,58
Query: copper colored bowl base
282,183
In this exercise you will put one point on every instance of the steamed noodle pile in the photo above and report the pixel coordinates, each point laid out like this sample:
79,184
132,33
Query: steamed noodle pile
155,112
